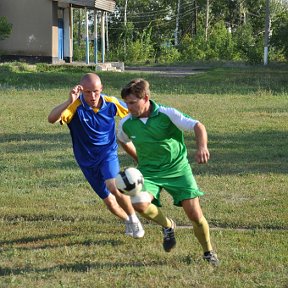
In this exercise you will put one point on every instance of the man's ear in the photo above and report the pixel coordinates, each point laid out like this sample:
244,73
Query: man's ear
146,98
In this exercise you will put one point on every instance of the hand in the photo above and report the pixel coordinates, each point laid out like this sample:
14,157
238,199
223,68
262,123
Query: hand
202,155
75,92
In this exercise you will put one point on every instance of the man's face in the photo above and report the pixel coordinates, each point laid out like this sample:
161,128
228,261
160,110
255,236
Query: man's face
137,107
91,92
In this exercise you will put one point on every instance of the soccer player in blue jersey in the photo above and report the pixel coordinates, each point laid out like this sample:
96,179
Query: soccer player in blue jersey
159,149
90,117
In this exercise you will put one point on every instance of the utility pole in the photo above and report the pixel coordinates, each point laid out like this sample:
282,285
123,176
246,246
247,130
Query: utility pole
87,35
267,32
125,25
79,28
177,23
207,20
107,33
103,35
95,36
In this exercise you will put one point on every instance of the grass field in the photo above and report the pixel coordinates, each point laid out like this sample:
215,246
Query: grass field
55,232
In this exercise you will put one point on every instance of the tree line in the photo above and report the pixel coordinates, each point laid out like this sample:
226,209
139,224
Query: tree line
184,31
163,31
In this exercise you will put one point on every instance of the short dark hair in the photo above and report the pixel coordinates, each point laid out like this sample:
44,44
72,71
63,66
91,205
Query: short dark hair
137,87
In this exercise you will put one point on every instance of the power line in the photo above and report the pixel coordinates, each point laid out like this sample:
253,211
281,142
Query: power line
156,12
173,17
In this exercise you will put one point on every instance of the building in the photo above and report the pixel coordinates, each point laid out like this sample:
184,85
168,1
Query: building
42,29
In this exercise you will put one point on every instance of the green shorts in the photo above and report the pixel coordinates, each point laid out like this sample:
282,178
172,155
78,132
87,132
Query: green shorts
180,188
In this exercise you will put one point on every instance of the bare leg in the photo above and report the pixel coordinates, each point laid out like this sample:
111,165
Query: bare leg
192,209
133,225
123,200
200,225
114,207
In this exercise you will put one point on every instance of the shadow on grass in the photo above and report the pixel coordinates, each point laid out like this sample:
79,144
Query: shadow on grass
36,243
215,81
26,138
82,267
242,153
32,143
31,239
54,217
247,152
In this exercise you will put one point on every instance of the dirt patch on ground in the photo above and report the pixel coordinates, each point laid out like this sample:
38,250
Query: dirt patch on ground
167,71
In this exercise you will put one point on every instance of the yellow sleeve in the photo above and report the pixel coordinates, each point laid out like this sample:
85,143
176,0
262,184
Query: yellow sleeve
122,111
69,112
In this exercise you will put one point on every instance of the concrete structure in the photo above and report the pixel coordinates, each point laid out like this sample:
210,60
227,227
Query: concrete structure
42,29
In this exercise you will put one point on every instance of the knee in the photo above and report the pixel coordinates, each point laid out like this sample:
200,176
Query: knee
114,191
196,222
140,207
192,209
111,186
111,202
141,201
196,217
199,222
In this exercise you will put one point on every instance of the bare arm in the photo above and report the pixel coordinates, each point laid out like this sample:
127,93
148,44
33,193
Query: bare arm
130,149
55,114
202,154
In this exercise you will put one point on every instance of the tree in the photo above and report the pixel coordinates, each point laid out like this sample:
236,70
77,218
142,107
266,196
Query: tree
234,30
5,28
279,37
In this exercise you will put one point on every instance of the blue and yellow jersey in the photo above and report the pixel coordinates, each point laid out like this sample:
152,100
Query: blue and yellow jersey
92,129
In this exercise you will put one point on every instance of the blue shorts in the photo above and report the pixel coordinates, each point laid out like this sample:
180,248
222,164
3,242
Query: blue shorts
96,176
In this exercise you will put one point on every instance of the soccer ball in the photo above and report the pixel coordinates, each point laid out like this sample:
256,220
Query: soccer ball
130,181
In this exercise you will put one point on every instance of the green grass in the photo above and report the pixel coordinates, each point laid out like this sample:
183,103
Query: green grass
55,232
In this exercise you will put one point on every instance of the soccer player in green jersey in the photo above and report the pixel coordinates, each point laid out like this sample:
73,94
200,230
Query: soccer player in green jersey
152,135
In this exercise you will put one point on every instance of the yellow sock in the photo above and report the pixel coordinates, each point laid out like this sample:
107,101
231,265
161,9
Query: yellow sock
201,231
154,213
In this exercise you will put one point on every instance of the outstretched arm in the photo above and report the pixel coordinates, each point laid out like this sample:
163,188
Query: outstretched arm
202,154
55,114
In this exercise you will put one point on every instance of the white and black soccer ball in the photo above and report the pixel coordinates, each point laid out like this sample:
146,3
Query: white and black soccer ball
130,181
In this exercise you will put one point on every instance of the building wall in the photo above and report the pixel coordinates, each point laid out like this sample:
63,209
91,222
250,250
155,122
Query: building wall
35,34
31,31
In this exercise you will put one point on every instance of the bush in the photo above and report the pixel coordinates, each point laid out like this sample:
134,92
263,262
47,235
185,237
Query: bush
249,47
134,52
220,43
138,50
79,52
17,67
5,28
279,37
192,49
168,54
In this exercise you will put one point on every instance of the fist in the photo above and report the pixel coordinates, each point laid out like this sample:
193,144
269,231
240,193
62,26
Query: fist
202,156
75,92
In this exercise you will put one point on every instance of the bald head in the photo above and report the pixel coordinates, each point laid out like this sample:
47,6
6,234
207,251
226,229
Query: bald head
90,79
91,89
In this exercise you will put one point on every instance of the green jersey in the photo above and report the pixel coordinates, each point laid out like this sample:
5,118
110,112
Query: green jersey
158,140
